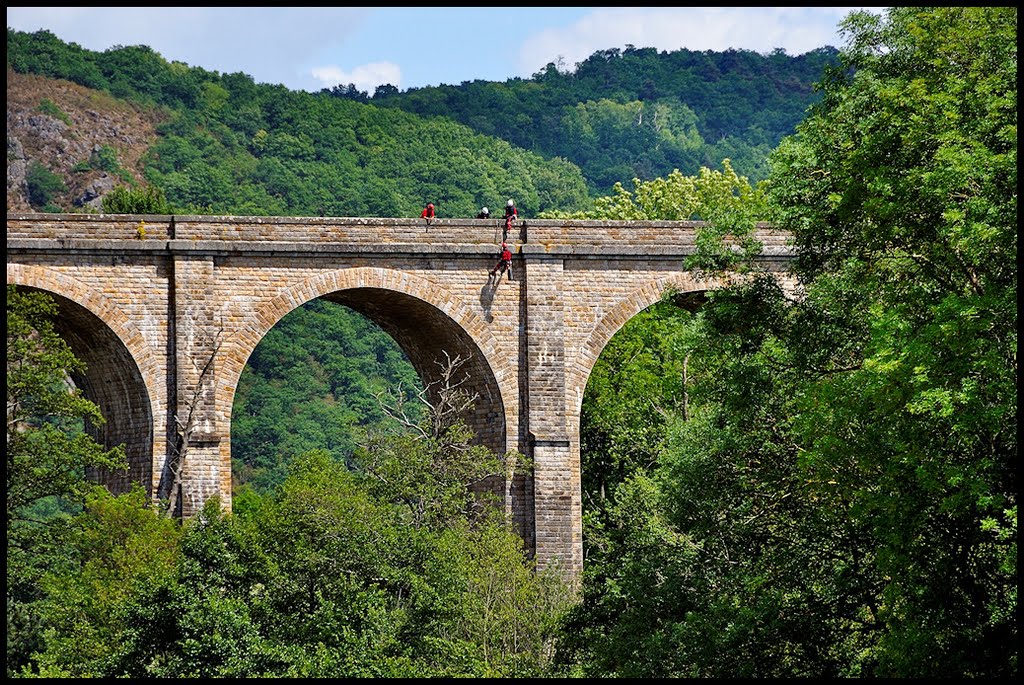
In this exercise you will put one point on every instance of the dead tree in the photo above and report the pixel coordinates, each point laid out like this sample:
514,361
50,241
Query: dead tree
449,405
186,421
448,439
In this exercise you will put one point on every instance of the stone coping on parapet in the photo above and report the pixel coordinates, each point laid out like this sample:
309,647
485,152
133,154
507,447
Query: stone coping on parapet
341,234
327,220
337,249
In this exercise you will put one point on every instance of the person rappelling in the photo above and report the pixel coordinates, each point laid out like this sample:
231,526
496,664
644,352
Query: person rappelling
504,263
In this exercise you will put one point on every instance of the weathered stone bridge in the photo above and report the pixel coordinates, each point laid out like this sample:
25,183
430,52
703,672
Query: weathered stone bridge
148,302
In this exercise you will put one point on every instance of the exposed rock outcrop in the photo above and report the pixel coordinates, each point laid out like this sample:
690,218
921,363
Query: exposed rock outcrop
72,132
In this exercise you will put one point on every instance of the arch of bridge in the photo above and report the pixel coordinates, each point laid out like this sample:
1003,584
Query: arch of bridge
240,346
640,299
146,448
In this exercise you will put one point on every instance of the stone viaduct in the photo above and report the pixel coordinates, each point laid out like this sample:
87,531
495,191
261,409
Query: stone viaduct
165,311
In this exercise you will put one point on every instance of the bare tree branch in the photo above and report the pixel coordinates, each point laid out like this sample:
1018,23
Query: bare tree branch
451,403
185,427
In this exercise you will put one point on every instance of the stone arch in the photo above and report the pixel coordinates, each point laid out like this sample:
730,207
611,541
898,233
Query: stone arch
122,374
411,309
585,357
637,301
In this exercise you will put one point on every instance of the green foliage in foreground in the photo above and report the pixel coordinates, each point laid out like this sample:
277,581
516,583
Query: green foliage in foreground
840,498
47,457
324,578
399,565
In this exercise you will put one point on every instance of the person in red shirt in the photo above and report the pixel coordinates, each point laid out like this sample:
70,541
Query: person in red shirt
428,212
504,263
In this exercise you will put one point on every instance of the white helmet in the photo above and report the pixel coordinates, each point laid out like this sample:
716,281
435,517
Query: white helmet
510,203
485,211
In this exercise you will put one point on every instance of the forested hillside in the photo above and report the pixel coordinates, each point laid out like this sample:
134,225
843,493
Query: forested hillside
226,144
637,112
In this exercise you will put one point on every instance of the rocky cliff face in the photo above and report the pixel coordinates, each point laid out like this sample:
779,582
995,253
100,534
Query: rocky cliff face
80,137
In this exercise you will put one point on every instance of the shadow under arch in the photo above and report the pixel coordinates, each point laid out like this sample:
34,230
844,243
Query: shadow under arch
423,319
115,356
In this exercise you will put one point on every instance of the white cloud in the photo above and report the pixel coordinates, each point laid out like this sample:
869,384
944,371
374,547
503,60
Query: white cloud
301,46
268,43
762,29
365,77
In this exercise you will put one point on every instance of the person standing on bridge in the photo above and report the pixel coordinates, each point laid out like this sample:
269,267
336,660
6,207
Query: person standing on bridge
504,263
428,212
484,214
511,214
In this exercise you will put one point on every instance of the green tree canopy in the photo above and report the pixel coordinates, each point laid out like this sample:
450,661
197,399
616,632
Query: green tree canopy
394,566
900,190
841,498
48,453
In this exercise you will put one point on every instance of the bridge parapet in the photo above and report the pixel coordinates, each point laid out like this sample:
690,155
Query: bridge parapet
542,235
65,227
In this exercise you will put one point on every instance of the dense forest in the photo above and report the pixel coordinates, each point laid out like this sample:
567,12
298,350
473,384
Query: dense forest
773,487
638,113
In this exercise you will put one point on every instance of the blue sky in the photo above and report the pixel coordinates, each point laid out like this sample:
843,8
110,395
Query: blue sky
308,48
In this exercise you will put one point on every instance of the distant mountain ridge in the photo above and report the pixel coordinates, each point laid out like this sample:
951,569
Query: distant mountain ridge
638,112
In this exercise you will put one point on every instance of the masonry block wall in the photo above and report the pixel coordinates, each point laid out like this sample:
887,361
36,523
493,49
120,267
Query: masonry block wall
169,309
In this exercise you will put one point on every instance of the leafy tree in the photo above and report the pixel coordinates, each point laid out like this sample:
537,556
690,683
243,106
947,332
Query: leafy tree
123,548
48,453
636,389
431,470
900,192
705,196
349,92
43,53
724,201
841,500
106,159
